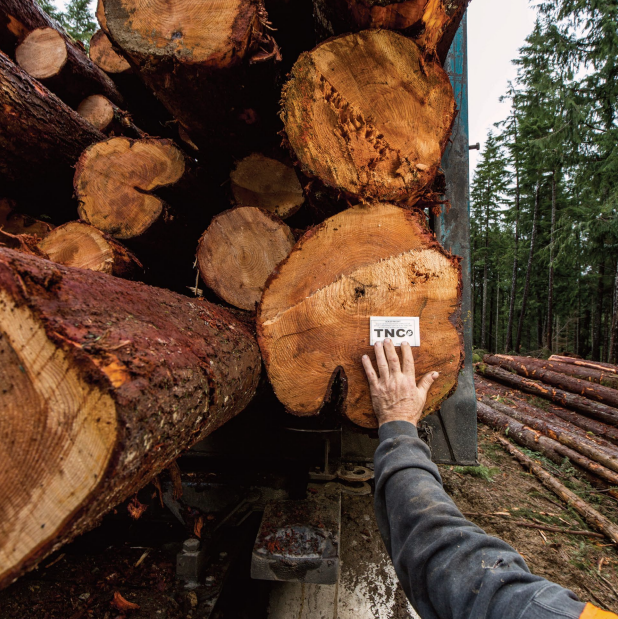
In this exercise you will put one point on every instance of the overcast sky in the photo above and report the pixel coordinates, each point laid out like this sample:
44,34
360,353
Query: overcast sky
496,31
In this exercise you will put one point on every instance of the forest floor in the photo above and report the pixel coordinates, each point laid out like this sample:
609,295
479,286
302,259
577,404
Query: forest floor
137,559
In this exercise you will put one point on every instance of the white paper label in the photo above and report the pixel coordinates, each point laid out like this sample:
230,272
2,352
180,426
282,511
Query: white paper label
396,328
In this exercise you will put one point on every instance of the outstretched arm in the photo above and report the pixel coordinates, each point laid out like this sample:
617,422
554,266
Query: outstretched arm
448,567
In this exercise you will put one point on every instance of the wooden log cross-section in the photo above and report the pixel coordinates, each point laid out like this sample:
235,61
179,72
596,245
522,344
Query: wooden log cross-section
108,118
368,116
103,54
114,181
239,251
313,320
537,369
79,245
104,383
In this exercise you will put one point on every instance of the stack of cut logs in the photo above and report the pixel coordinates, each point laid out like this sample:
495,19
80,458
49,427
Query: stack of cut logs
563,407
159,152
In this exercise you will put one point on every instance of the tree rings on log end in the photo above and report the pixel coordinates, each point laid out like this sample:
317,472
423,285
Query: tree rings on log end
113,179
267,183
313,320
367,115
79,245
98,111
209,32
239,251
105,56
42,53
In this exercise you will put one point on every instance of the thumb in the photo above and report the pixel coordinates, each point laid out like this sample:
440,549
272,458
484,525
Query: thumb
425,383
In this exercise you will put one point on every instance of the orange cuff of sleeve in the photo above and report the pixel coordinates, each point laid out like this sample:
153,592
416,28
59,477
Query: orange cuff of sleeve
592,612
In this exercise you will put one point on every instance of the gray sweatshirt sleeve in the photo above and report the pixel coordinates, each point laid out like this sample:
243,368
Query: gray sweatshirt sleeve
449,567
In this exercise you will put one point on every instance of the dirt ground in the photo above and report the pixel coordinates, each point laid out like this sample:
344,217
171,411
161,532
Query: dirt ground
80,580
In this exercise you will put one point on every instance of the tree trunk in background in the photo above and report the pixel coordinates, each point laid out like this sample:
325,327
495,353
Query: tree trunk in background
146,373
613,346
524,299
598,310
550,291
497,343
509,329
485,282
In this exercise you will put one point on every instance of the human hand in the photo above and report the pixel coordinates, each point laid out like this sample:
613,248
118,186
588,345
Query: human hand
395,395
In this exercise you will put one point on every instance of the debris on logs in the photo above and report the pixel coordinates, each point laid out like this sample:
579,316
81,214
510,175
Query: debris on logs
267,183
533,368
583,363
607,455
146,373
602,377
79,245
432,23
100,112
313,320
48,56
114,181
198,59
41,138
592,516
534,440
596,410
489,388
368,116
105,56
239,251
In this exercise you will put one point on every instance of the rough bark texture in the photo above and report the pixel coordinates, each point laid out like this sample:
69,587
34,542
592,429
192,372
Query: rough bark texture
603,430
100,112
592,517
368,116
209,62
48,56
103,54
114,181
239,251
599,376
607,455
145,373
267,183
431,23
79,245
532,368
313,320
596,410
40,136
527,437
584,363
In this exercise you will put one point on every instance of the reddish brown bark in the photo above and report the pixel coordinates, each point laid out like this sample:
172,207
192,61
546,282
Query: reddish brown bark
584,363
592,517
532,368
81,77
596,410
145,372
602,430
551,449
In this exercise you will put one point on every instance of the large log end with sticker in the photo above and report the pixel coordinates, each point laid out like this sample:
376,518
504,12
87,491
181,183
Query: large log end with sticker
314,316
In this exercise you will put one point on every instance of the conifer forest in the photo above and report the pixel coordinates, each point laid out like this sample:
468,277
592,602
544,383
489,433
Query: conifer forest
544,196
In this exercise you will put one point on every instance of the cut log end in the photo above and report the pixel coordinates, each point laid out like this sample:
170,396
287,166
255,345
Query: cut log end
238,252
79,245
98,111
103,54
210,32
74,420
42,54
313,320
268,184
367,115
18,223
114,178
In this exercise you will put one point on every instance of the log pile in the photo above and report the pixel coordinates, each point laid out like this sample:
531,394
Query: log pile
158,156
517,397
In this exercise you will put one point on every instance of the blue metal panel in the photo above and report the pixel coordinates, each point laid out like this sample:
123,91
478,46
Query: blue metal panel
451,433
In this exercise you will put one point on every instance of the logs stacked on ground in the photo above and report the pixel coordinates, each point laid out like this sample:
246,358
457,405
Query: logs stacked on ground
105,382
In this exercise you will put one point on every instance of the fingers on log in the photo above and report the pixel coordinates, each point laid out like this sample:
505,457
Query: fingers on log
313,319
239,251
366,115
